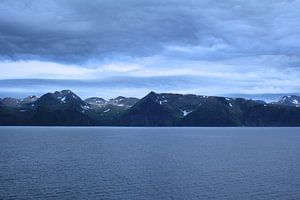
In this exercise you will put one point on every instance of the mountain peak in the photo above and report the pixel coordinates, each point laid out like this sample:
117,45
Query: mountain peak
30,99
152,93
65,98
11,102
290,100
63,92
95,101
123,101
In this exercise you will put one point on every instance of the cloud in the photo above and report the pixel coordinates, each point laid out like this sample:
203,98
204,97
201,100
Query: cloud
29,69
77,31
120,67
131,47
209,83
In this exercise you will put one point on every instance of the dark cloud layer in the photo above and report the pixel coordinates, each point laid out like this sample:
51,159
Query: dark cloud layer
77,31
130,47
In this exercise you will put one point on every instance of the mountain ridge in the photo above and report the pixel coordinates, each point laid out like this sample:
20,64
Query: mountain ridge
65,108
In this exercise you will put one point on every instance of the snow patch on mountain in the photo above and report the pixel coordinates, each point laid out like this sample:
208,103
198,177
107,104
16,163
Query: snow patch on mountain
163,101
295,101
185,112
85,107
63,99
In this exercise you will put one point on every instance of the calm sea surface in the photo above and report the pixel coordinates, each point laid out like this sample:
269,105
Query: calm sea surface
149,163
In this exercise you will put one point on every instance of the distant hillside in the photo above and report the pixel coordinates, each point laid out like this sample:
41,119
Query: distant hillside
64,108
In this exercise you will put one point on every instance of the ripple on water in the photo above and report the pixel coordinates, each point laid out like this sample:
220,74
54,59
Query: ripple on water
149,163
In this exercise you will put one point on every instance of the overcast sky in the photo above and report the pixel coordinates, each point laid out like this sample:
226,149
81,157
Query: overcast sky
129,47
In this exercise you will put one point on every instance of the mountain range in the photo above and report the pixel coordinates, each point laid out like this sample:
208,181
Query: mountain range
65,108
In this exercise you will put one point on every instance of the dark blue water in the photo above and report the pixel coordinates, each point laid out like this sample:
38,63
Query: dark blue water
149,163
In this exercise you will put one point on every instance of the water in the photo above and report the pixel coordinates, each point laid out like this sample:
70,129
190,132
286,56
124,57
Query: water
149,163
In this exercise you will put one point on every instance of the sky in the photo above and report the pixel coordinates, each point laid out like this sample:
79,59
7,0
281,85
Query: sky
131,47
